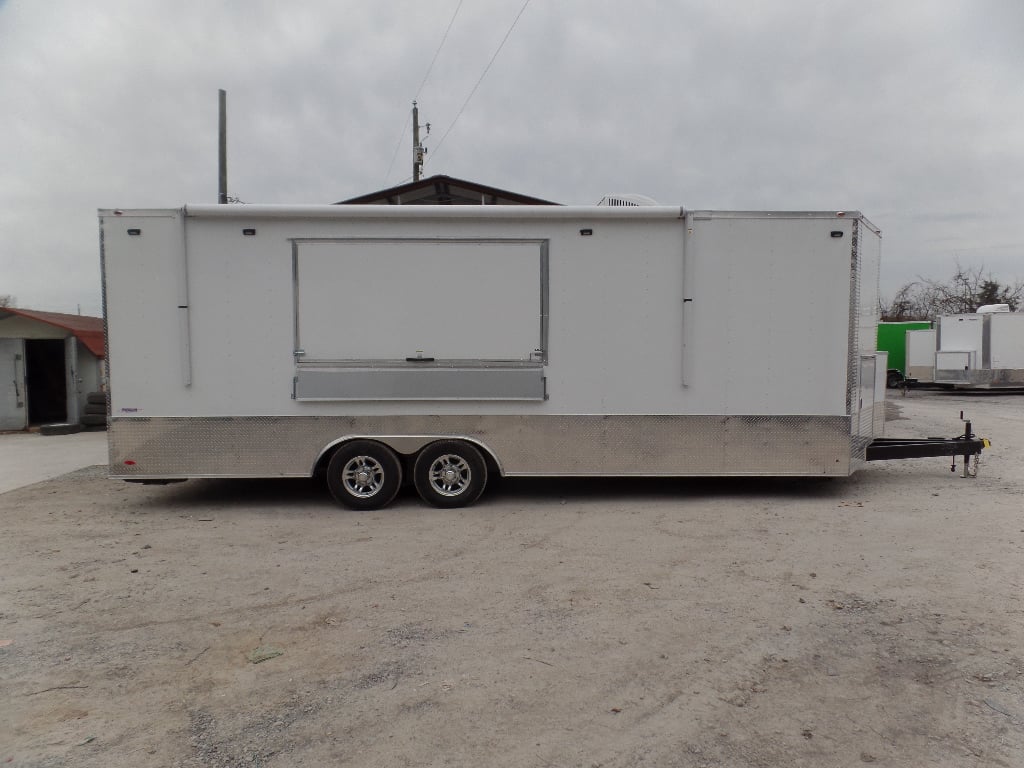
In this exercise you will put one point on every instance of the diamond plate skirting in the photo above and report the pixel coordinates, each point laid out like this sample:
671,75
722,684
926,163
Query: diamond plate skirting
290,446
982,378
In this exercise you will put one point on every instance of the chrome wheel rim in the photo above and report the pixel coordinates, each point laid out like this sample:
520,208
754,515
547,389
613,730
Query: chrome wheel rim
450,475
363,476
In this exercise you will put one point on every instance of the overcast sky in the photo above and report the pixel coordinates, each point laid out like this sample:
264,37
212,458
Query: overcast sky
911,111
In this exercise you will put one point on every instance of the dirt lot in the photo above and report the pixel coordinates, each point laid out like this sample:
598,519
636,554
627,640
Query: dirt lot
871,620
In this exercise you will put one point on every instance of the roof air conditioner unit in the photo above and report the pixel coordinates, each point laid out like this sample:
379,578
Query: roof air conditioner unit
633,200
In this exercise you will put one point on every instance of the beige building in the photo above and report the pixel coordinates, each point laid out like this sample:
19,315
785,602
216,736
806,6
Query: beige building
49,363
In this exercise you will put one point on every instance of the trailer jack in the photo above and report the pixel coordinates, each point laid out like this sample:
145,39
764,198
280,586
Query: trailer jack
967,445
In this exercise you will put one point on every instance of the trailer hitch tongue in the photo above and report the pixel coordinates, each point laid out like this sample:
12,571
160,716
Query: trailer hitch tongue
967,445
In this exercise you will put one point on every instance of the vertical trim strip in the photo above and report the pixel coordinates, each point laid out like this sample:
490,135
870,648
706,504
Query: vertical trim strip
184,321
295,295
545,300
687,301
986,341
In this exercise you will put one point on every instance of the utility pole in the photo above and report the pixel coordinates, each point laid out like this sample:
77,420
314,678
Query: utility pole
222,149
418,150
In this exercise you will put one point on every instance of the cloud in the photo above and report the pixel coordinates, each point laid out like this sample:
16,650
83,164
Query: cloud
906,111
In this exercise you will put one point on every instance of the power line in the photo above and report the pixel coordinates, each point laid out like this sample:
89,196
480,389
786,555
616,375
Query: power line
430,68
480,80
398,146
438,51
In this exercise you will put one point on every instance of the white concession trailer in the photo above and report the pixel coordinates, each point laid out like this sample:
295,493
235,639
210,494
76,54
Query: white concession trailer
441,344
983,350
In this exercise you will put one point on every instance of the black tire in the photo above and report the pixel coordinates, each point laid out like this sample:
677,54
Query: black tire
450,473
96,409
893,379
364,474
60,429
97,398
94,419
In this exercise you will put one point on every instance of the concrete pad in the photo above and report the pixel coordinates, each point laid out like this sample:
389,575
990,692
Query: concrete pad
27,458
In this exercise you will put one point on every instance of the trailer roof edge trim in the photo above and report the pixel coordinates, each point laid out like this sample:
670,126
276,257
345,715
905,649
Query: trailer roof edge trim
392,212
856,215
430,212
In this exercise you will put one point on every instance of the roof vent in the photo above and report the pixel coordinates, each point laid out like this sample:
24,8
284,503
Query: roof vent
631,200
991,309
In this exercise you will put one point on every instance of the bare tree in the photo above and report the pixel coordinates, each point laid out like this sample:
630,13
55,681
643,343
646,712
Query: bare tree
7,300
968,289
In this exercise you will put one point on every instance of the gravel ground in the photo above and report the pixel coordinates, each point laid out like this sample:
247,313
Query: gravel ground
869,620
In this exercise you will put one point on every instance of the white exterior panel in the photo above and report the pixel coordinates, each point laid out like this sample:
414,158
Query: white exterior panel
346,310
960,333
645,312
765,294
143,275
921,355
921,347
1006,337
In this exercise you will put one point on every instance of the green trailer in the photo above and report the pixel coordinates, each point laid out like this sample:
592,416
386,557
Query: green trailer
892,338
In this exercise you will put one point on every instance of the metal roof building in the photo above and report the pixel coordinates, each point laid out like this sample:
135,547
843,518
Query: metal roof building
49,362
444,190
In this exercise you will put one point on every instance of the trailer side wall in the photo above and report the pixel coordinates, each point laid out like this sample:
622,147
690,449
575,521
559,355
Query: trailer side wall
664,344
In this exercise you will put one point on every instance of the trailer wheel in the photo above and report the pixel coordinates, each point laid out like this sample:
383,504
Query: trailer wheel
364,474
450,473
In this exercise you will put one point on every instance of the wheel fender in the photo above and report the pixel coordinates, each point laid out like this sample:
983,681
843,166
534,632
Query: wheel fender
404,445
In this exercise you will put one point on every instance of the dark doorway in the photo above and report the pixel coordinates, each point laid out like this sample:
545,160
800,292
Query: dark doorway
46,381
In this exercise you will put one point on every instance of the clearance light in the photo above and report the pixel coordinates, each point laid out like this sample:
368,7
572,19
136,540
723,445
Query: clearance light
130,463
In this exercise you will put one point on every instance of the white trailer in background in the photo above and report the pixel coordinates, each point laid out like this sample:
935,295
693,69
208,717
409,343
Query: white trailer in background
445,343
984,350
921,355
